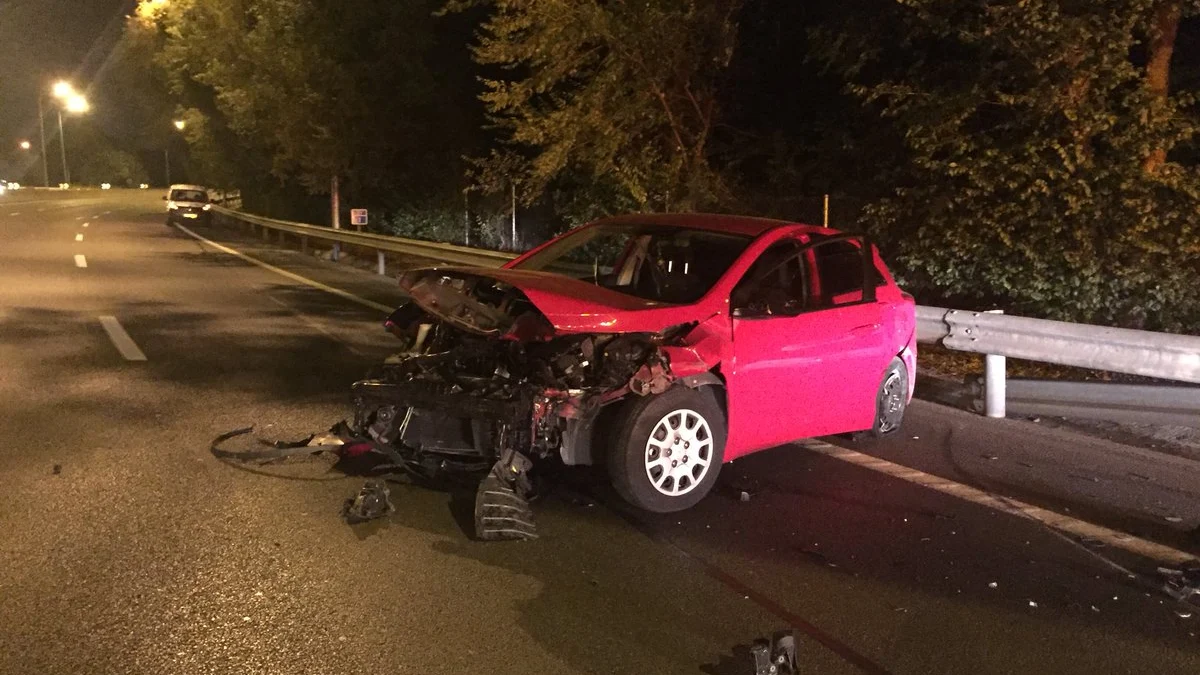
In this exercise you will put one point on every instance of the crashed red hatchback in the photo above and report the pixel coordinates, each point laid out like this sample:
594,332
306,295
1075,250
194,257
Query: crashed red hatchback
659,345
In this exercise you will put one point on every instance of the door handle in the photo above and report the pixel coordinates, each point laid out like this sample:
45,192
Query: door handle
865,328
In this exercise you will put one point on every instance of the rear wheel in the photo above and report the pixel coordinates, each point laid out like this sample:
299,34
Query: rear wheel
668,450
892,399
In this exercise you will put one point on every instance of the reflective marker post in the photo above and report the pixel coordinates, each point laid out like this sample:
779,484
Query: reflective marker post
994,367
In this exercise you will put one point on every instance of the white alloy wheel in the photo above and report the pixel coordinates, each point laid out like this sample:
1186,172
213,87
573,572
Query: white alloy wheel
679,452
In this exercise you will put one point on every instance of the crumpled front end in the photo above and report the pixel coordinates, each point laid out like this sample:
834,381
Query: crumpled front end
486,386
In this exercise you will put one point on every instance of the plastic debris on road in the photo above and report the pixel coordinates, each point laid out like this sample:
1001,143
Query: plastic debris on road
776,656
372,501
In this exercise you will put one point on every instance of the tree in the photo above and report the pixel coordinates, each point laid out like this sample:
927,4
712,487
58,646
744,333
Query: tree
1027,129
320,88
615,101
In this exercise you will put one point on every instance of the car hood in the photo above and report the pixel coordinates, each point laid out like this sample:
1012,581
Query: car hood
468,297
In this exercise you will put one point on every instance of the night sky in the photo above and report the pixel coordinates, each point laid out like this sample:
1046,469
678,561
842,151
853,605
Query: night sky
43,40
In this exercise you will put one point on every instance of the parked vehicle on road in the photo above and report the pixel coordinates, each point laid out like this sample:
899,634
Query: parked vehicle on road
187,202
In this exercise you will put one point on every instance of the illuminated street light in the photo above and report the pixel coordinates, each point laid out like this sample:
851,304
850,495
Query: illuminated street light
77,104
74,103
25,145
179,125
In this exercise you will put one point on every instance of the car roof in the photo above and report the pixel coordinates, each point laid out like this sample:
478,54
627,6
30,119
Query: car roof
745,225
184,186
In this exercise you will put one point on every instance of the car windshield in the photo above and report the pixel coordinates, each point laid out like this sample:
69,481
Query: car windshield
188,196
664,263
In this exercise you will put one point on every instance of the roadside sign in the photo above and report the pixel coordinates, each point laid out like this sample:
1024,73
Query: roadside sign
358,217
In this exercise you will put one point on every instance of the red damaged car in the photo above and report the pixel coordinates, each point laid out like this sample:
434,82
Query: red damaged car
660,346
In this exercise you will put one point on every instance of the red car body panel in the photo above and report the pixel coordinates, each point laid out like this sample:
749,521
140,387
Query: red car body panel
786,377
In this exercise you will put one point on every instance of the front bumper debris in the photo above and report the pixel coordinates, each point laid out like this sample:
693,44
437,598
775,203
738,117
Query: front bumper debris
501,499
501,505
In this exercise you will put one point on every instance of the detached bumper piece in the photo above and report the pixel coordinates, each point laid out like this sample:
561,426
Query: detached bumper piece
372,501
501,501
776,657
501,508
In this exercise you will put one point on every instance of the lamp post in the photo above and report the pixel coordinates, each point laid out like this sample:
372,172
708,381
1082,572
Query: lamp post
74,103
42,131
179,125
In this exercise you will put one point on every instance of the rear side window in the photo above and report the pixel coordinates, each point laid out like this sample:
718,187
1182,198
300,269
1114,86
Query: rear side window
189,196
840,280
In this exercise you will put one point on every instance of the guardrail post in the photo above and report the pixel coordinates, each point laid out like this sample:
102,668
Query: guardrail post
335,251
382,263
304,244
994,367
266,232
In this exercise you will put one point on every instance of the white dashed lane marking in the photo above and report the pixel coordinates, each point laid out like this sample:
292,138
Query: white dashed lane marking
80,261
79,237
1057,521
86,224
121,339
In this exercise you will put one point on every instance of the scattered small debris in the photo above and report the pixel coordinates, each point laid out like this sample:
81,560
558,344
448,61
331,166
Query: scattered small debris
993,585
1095,609
1033,604
1036,419
926,539
57,469
776,656
1183,612
990,456
1027,465
900,610
916,438
745,496
1091,479
372,501
1181,584
246,619
1173,519
1138,476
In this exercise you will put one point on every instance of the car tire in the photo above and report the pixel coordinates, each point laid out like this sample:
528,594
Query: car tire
891,400
680,425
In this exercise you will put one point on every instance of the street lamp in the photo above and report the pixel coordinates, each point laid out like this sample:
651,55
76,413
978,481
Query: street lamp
179,125
25,145
74,103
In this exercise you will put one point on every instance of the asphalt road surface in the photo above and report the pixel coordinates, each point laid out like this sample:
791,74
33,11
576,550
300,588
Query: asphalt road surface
125,547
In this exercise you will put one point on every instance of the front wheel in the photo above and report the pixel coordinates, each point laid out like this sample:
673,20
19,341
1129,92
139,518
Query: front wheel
668,450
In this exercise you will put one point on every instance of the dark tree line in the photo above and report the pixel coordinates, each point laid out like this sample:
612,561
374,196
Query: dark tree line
1036,154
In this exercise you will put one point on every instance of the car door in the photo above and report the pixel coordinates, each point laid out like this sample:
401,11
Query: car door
807,347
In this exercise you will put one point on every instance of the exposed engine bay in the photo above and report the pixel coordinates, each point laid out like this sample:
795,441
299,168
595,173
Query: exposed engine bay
485,385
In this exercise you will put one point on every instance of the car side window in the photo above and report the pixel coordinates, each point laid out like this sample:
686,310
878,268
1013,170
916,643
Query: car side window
775,284
840,277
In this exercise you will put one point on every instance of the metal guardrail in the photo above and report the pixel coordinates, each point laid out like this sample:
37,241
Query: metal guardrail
381,244
1118,350
1177,405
